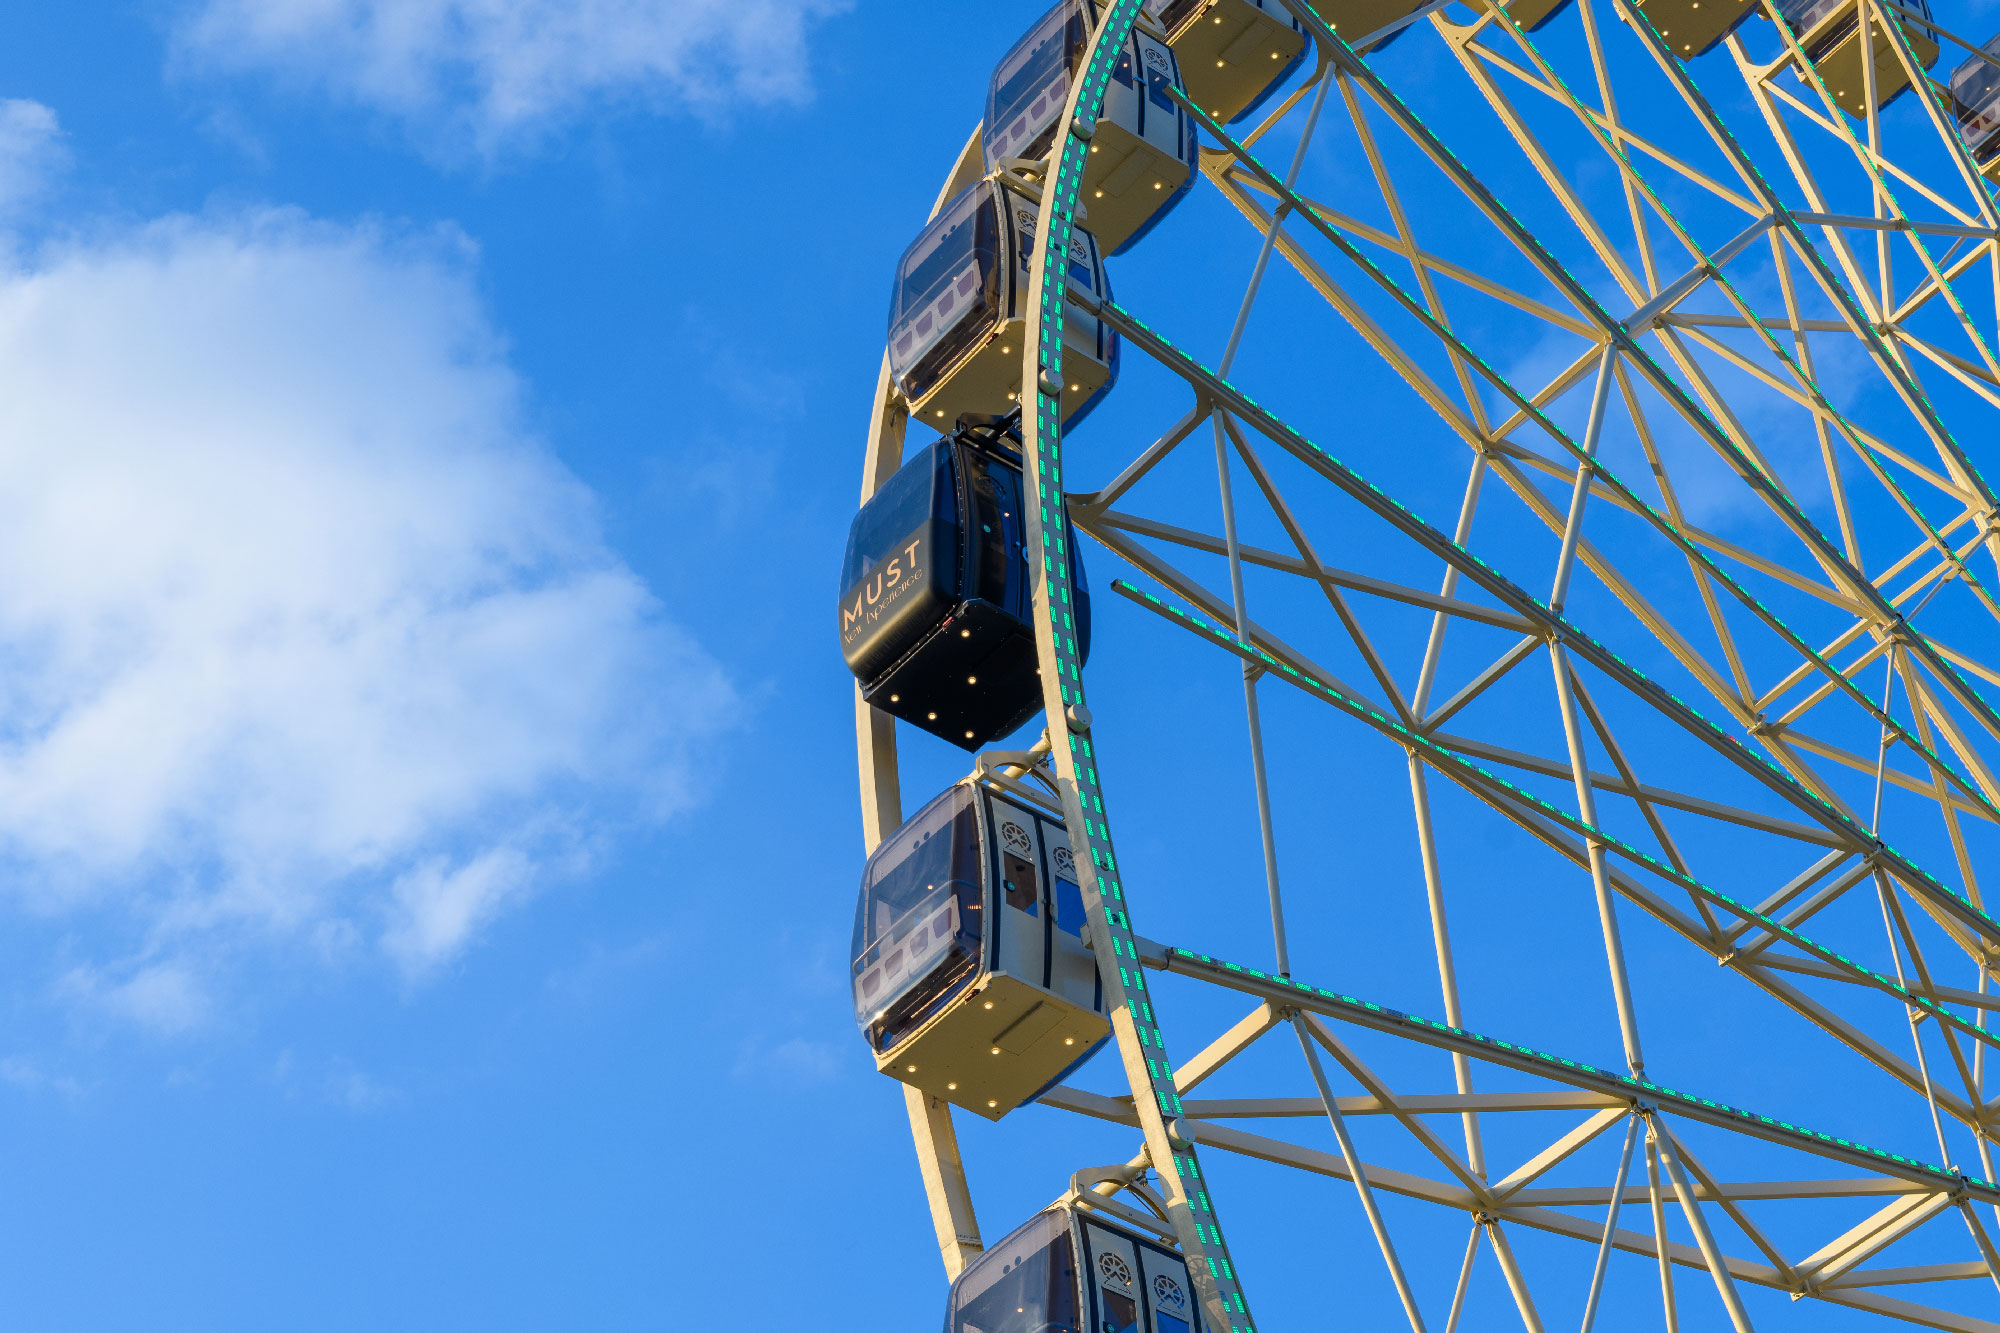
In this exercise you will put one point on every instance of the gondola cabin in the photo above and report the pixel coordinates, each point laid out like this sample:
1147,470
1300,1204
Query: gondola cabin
960,306
1534,15
1074,1270
1232,53
936,618
1357,22
1829,32
971,981
1975,102
1142,151
1693,28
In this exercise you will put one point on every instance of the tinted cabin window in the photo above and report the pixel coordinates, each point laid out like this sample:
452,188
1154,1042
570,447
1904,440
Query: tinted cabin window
1025,1284
997,534
1121,1313
1974,82
921,489
1031,84
900,577
1020,884
946,294
1070,916
917,927
999,543
1158,81
1082,590
1975,95
1802,14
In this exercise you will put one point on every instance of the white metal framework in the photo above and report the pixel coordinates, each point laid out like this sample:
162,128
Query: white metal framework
1713,366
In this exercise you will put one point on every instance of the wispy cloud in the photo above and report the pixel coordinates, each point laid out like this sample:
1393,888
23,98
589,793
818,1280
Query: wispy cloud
436,906
495,73
792,1062
307,639
166,998
31,152
25,1075
335,1081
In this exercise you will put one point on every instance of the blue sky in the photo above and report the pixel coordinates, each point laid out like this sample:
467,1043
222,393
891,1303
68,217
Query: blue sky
428,780
427,664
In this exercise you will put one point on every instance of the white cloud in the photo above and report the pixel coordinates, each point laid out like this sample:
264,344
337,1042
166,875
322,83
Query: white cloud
305,637
793,1062
336,1081
502,70
437,906
166,998
31,152
26,1075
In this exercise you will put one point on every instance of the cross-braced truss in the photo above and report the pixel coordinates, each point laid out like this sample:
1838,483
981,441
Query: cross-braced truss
1712,368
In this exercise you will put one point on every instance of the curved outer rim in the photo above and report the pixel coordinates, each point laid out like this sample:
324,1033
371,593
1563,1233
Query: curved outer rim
1063,687
1127,998
1147,1067
1134,1022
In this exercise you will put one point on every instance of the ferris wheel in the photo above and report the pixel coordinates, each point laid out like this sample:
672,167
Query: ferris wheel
1691,308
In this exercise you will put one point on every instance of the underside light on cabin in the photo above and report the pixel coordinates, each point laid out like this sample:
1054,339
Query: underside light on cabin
971,980
960,305
936,604
1693,28
1233,54
1829,32
1534,15
1142,147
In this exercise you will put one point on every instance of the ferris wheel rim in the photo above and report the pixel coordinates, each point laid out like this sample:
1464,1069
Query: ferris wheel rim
1058,701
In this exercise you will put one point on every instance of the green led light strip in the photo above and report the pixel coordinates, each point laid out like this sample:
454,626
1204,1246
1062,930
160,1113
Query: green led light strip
1912,393
1480,781
1906,383
1140,1041
1660,522
1553,268
1296,994
1535,609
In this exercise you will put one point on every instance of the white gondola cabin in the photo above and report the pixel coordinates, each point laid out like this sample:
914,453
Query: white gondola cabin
1142,152
971,980
1829,32
935,610
1073,1269
1695,27
1232,53
960,305
1975,102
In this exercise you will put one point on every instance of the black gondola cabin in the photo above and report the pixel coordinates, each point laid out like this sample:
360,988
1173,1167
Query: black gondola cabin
960,306
1829,32
971,980
1074,1270
1142,152
935,601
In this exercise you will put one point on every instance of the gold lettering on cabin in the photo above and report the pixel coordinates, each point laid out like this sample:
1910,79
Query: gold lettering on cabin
882,589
